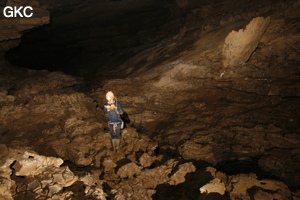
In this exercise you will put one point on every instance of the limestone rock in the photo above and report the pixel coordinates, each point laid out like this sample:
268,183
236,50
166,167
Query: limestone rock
191,150
133,141
31,164
129,170
150,178
4,151
109,165
43,176
240,45
179,176
214,186
5,188
244,186
146,160
240,185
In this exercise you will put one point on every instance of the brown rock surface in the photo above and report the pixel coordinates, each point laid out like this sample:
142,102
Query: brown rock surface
28,172
240,45
266,188
129,170
185,111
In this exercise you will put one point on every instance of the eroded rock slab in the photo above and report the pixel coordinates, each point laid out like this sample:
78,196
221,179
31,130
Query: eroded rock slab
240,45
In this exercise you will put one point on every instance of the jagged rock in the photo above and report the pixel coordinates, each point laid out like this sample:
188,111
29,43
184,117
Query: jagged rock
179,176
132,141
93,186
245,186
5,188
146,160
55,114
214,186
31,164
240,45
129,170
191,150
150,178
63,196
43,176
241,184
109,165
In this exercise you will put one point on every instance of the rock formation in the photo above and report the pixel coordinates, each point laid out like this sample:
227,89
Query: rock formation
43,177
245,186
200,122
240,45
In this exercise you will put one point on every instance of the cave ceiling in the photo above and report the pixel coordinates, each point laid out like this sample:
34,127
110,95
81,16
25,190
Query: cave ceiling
94,30
83,37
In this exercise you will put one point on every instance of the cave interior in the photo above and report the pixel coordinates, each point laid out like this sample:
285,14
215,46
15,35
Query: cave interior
210,92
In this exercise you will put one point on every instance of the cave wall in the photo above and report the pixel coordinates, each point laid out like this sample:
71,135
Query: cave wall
181,92
174,88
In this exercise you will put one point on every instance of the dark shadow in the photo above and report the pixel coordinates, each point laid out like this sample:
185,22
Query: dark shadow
121,163
213,196
245,166
188,189
78,190
125,118
107,189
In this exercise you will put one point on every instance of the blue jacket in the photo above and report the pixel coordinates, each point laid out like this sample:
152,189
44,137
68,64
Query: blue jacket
112,115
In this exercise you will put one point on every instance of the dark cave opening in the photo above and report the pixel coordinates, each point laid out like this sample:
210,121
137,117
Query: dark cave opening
87,40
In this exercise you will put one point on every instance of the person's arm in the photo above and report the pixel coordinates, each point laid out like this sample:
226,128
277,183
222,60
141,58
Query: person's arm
106,110
120,110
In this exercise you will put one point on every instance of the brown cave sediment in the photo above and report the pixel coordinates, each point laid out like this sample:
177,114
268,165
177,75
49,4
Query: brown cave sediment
200,123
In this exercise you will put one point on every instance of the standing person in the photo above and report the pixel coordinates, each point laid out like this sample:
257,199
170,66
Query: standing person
113,110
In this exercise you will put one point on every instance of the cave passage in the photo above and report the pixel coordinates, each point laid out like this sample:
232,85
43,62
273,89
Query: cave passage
210,91
94,36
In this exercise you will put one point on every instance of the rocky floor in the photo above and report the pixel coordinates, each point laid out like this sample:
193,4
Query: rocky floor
201,122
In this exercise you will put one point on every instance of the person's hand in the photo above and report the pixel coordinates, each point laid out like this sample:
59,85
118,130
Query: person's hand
108,108
112,106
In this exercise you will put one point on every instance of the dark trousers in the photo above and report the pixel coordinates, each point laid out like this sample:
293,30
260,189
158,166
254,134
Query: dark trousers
115,129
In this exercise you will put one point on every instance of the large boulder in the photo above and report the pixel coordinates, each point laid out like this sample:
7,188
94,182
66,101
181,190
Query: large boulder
239,45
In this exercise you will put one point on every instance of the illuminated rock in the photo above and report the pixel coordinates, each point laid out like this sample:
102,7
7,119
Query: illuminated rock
239,45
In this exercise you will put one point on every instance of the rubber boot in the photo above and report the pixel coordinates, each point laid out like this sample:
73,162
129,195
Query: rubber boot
114,143
117,144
